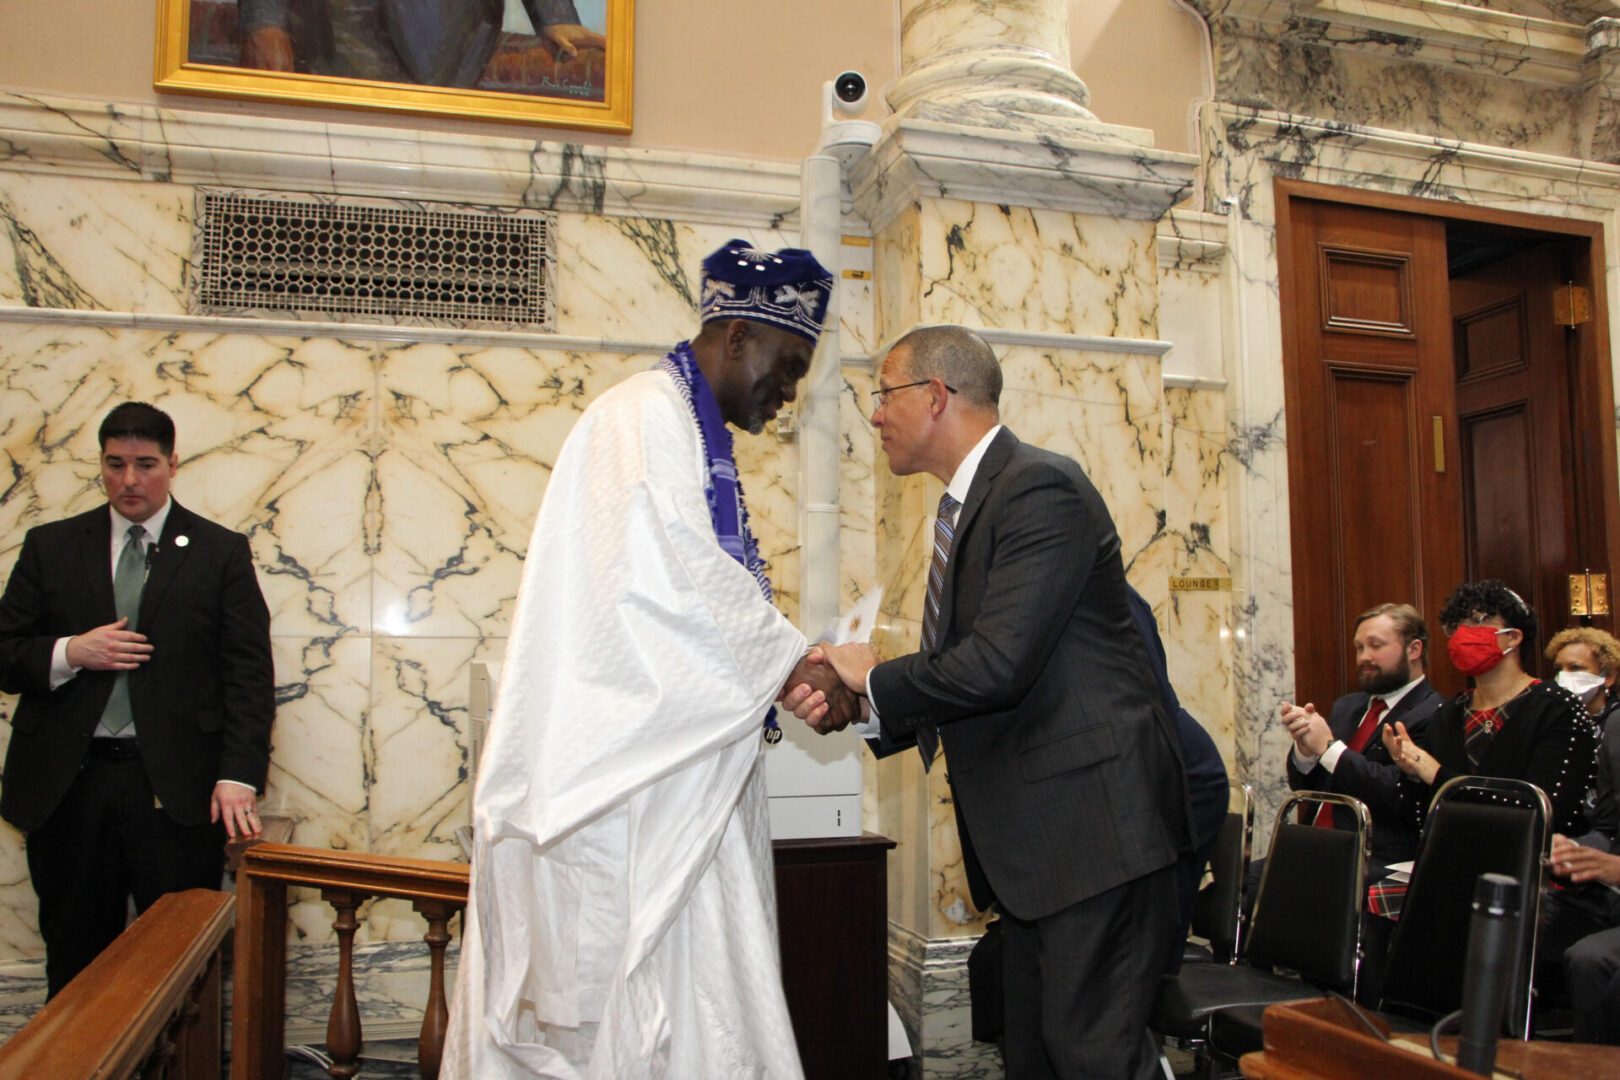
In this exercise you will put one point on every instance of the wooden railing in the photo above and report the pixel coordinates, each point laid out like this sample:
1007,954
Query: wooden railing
437,890
148,1006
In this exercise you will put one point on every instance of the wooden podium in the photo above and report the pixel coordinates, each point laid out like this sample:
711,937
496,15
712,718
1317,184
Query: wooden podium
1321,1040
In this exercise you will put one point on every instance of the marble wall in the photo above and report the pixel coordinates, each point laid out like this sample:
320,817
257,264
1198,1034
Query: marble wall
1520,74
1196,623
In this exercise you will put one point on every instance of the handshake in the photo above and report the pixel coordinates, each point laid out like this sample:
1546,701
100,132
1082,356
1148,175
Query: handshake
827,687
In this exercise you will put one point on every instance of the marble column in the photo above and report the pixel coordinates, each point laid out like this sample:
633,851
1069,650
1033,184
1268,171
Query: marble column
997,200
1006,62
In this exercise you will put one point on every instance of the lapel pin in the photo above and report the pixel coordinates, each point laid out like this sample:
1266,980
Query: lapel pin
182,540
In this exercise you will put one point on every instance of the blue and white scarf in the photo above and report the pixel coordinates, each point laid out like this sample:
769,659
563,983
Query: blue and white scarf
727,510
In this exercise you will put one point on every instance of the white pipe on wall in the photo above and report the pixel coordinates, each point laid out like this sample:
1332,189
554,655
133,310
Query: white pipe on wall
820,218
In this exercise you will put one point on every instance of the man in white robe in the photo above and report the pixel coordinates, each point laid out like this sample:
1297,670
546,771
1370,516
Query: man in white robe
622,918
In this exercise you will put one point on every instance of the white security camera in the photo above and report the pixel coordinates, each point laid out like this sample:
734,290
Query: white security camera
848,140
849,92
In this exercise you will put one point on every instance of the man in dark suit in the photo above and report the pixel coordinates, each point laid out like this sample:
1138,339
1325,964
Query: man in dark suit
1070,796
140,643
1344,753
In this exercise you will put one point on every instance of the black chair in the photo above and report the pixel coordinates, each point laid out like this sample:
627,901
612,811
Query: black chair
1307,921
1476,825
1217,915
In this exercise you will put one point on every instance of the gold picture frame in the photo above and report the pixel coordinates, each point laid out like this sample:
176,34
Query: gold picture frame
533,81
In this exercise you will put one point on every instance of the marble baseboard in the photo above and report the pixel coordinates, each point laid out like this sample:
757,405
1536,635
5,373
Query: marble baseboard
928,984
22,993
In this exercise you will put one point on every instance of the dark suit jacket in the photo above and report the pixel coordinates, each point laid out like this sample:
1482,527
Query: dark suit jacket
1372,776
1208,787
1066,773
203,703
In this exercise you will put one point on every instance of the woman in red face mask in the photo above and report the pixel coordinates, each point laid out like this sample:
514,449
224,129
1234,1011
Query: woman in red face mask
1510,724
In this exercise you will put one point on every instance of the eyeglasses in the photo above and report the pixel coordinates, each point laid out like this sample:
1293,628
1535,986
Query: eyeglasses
1476,619
881,395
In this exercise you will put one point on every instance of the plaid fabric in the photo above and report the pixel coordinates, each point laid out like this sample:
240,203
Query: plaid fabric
1481,725
1385,898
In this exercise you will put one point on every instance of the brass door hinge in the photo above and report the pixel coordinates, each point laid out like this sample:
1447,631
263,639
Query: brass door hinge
1588,594
1572,305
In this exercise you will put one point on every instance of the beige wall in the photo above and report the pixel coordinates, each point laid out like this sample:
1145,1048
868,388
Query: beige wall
726,76
1145,62
723,76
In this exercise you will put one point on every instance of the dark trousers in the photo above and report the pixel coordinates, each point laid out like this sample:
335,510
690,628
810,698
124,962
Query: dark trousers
108,841
1080,984
1592,966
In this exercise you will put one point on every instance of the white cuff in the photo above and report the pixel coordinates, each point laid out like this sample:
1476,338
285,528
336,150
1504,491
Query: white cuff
1330,756
1301,762
61,670
239,783
871,727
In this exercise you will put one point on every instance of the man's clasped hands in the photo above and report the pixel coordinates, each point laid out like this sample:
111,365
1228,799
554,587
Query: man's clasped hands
827,687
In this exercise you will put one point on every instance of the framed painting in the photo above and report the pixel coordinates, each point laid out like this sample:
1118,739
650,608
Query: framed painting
556,62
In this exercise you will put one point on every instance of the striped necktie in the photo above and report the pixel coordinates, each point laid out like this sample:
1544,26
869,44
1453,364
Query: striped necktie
944,526
944,532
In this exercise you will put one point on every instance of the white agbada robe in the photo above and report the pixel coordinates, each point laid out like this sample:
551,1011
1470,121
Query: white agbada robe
622,916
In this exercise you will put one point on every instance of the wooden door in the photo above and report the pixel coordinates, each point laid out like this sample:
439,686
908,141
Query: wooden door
1514,367
1374,493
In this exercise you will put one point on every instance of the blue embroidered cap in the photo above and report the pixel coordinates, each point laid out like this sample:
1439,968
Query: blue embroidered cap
787,289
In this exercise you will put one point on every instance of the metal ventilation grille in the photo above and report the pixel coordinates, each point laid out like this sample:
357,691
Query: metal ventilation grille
405,262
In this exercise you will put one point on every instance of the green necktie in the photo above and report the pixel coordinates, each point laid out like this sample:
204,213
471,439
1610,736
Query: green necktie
127,581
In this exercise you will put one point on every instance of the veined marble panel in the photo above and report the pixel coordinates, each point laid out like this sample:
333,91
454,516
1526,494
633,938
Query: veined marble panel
416,742
769,470
1103,410
1196,626
1297,70
1000,146
319,766
93,244
857,507
466,440
855,297
1015,268
639,278
70,136
19,907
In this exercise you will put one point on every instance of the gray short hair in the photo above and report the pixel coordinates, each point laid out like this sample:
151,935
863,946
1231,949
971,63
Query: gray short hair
959,358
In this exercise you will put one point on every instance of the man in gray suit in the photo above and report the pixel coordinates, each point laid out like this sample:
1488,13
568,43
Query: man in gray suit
1066,775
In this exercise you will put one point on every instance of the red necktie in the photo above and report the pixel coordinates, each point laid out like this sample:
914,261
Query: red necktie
1358,743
